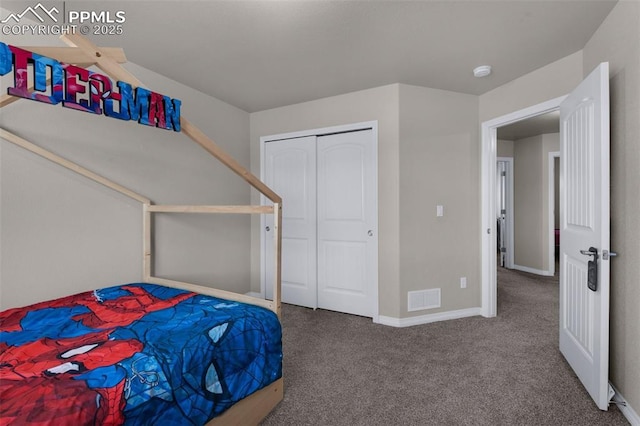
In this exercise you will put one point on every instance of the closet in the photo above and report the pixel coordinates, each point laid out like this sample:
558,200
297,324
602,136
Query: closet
328,183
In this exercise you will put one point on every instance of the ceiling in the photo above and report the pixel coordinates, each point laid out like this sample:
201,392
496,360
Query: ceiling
534,126
258,55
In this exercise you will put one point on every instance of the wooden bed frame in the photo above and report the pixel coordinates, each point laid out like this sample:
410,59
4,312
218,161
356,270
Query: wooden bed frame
82,52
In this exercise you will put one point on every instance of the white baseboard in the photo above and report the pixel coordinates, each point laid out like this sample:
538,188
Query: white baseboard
625,408
532,270
425,319
255,294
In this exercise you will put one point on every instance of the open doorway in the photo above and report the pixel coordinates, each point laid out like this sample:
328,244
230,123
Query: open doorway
489,156
526,188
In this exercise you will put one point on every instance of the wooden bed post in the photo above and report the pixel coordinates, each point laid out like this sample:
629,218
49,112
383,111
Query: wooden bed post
146,243
277,241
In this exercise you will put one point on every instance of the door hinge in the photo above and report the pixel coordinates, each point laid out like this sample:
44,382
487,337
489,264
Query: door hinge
504,173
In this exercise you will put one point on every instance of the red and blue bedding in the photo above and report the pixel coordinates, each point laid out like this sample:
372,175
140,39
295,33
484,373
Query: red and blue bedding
137,354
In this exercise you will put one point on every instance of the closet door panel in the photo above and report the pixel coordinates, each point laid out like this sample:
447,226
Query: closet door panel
291,172
346,222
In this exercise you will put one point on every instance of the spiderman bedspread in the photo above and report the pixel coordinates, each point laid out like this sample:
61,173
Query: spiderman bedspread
138,354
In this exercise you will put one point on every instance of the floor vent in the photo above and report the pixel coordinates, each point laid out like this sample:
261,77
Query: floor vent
423,299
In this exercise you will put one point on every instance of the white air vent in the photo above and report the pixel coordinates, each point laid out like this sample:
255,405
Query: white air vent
423,299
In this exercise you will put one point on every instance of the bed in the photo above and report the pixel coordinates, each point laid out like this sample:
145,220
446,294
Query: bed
155,352
139,354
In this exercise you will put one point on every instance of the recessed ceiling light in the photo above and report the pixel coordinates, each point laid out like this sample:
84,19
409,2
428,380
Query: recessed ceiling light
482,71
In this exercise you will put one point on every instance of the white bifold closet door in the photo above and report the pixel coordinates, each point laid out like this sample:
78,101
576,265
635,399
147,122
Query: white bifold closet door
290,170
329,242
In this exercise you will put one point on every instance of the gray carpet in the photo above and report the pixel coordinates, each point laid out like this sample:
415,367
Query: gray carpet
344,370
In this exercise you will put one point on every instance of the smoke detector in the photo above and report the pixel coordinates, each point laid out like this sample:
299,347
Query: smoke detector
482,71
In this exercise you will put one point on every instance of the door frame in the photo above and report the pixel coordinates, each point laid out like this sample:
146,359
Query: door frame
354,127
489,286
509,258
552,207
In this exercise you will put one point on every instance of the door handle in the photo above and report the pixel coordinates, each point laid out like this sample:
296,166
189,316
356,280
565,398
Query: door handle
591,252
592,268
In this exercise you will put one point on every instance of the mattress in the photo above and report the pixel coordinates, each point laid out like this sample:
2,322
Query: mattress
137,354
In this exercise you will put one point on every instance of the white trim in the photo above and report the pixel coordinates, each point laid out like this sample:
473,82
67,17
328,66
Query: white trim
552,235
373,125
488,175
533,270
625,408
429,318
255,294
322,131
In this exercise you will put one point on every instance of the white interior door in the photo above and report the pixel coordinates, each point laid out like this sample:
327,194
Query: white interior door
347,223
290,170
584,223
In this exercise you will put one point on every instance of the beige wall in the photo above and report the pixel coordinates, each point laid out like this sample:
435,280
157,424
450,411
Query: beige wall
531,200
543,84
550,143
527,203
57,232
618,42
62,234
381,104
504,148
425,136
439,165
